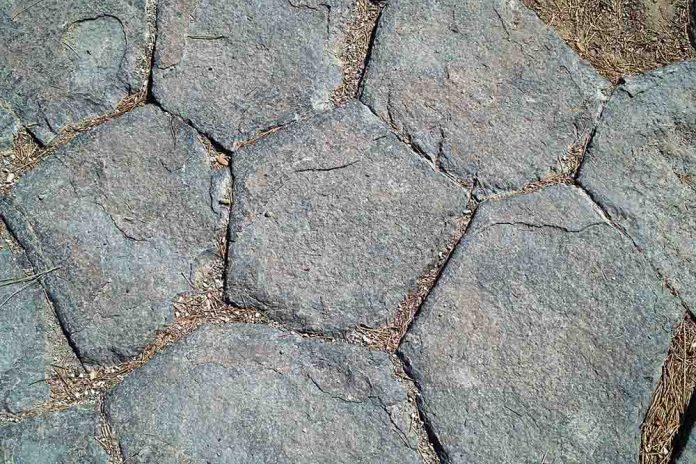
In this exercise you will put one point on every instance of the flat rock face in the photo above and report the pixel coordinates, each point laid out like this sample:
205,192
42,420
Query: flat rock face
66,437
245,393
545,328
234,68
334,220
485,89
22,336
63,61
688,453
641,167
127,211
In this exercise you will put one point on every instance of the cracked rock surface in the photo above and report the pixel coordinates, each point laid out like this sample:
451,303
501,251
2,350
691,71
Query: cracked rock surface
334,220
641,167
64,61
66,437
127,212
484,89
546,327
234,68
249,393
22,334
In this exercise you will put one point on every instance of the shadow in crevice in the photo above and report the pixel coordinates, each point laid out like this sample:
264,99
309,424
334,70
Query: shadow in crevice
686,430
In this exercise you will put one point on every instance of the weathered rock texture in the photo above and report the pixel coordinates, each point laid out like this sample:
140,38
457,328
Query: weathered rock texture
245,393
485,89
23,310
63,61
641,168
126,211
334,220
66,437
544,337
234,68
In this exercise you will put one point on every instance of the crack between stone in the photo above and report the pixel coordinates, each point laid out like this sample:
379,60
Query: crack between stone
542,226
638,248
329,169
427,425
35,258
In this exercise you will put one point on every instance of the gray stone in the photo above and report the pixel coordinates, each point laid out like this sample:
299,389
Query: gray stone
544,337
234,68
253,394
641,167
334,219
127,212
63,61
9,128
485,89
23,308
66,437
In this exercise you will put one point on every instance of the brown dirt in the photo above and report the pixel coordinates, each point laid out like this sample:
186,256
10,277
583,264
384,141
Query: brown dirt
621,37
671,397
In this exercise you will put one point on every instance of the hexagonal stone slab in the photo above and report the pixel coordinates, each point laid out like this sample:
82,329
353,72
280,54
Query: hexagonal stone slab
245,393
63,61
334,220
23,359
127,211
545,327
485,89
67,436
234,68
641,167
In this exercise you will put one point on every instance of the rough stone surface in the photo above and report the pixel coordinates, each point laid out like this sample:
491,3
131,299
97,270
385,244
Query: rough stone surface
63,61
9,127
641,167
245,393
544,337
334,220
234,68
22,336
66,437
127,212
485,89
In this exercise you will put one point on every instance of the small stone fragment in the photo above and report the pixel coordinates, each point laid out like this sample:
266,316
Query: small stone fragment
251,393
235,68
544,337
66,437
485,89
64,61
334,220
23,310
641,168
127,212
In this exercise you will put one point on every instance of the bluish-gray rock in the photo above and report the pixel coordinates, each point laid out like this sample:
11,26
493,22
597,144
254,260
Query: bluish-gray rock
234,68
23,310
128,213
641,167
253,394
544,337
63,61
485,89
65,437
334,220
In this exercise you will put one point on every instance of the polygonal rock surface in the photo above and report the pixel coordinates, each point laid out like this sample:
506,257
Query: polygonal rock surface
66,437
246,393
22,336
544,337
127,212
63,61
334,220
641,167
485,89
234,68
688,453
